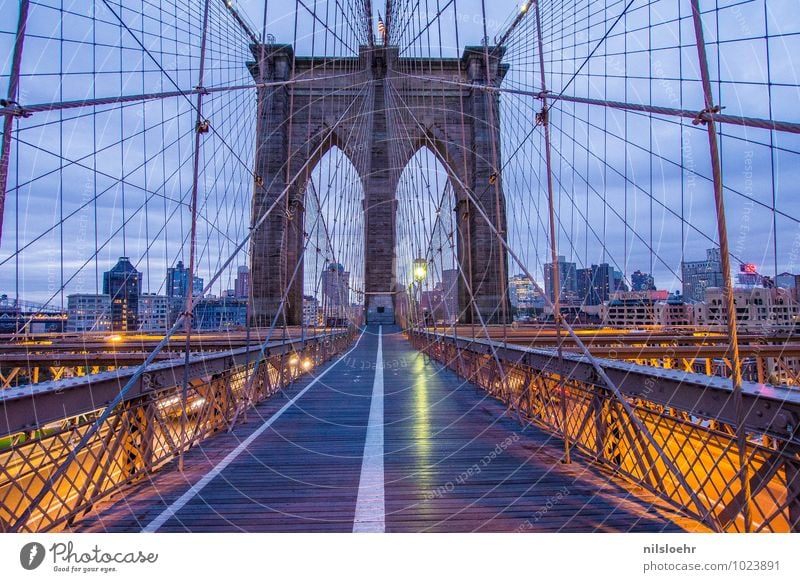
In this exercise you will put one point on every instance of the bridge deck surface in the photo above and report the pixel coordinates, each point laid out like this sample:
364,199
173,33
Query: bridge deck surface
302,472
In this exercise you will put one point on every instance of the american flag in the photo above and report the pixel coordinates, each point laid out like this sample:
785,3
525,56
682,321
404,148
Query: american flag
381,27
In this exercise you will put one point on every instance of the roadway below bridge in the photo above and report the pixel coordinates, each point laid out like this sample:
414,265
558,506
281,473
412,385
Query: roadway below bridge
383,439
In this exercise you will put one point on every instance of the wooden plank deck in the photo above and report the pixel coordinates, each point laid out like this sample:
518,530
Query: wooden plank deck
453,462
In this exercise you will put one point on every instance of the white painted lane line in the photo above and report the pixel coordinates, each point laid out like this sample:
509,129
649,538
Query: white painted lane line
371,505
176,506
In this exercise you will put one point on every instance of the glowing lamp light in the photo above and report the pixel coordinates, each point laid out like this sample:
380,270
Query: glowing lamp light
114,338
306,364
524,7
294,360
420,269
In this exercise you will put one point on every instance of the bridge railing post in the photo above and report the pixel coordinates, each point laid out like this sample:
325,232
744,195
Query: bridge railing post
600,425
792,473
636,442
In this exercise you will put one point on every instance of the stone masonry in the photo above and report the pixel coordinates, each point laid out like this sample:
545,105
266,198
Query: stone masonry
379,113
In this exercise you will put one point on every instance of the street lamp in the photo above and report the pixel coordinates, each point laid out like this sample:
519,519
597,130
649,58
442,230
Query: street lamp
420,270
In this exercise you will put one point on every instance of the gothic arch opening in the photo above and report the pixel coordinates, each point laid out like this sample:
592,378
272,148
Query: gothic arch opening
333,232
427,242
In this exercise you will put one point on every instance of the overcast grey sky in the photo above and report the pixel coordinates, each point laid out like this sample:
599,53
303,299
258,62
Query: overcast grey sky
621,193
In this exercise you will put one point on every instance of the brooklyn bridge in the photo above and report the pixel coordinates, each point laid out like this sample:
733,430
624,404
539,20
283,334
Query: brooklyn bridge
428,265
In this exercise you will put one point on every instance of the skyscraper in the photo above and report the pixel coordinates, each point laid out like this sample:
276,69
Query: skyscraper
178,289
242,286
697,276
619,283
178,282
596,284
567,277
587,294
335,290
121,284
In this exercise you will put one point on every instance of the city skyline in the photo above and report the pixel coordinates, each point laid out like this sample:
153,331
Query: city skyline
627,230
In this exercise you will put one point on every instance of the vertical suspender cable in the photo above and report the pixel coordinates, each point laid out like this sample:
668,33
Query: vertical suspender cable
199,129
494,122
555,283
722,230
8,121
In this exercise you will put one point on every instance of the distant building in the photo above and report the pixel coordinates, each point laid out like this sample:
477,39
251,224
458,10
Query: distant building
629,312
587,292
674,313
87,312
757,308
633,309
177,286
786,280
618,282
523,294
596,284
654,295
450,295
697,276
642,281
310,311
18,316
178,282
220,314
568,282
430,303
154,312
242,282
748,275
335,291
121,284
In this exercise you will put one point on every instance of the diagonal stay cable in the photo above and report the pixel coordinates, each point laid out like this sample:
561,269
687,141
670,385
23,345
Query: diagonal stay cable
669,463
64,467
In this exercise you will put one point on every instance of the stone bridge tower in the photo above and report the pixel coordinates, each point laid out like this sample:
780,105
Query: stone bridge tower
373,98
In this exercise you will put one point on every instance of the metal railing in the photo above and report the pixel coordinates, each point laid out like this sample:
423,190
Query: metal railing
42,424
682,443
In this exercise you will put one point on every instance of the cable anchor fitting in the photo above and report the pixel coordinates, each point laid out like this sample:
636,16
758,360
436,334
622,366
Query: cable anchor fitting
19,110
259,181
203,126
700,118
541,117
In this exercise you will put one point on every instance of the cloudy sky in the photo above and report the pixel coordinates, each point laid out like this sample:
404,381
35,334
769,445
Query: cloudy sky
88,185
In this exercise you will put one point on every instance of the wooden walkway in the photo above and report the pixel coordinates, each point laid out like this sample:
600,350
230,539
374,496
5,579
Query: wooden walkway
452,462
